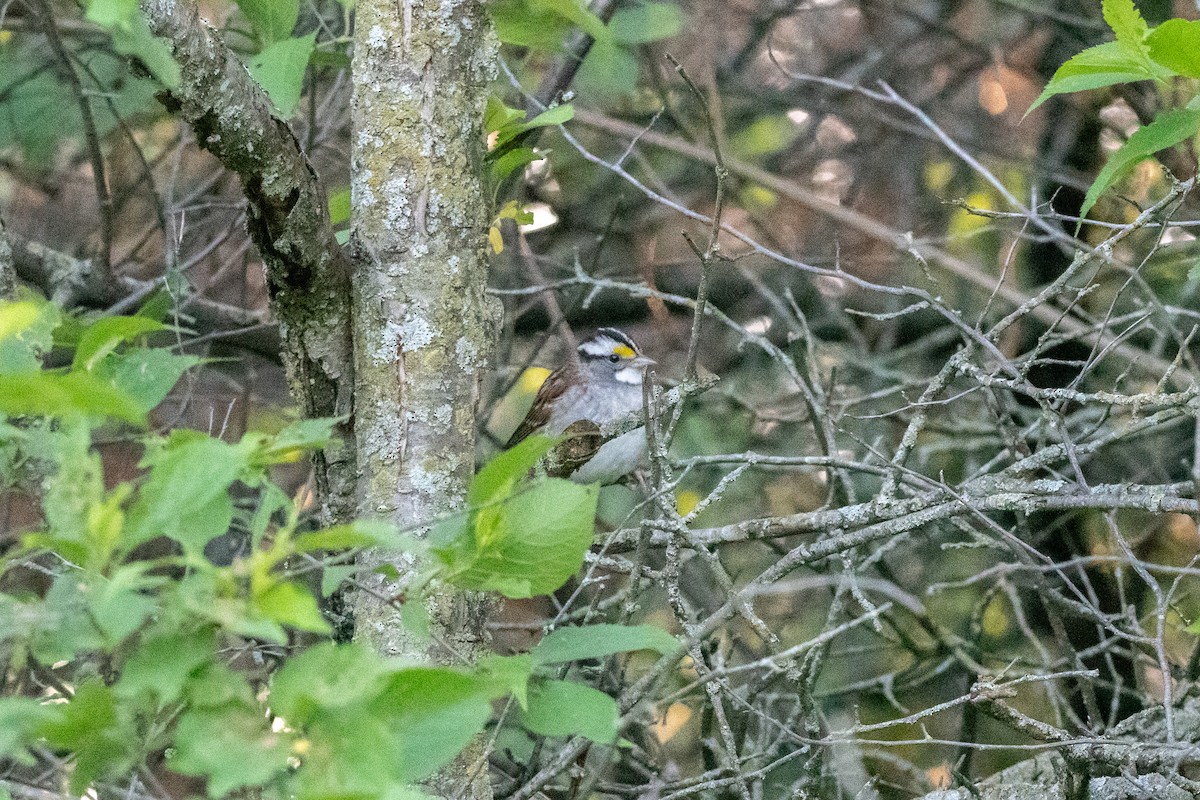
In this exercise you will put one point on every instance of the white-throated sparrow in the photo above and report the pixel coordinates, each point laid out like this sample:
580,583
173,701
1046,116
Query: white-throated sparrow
604,388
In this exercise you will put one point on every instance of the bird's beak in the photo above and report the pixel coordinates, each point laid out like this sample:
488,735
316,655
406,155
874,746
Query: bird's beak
644,361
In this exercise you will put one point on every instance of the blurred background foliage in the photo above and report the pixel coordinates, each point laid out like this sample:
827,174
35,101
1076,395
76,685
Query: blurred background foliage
855,185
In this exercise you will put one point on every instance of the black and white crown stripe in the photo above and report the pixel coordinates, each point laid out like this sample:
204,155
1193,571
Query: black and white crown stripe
601,344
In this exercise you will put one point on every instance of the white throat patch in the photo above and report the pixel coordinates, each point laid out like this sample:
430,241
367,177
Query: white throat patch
630,375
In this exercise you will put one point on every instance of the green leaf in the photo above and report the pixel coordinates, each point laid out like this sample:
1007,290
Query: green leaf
147,375
20,717
511,161
232,746
529,545
92,727
508,675
215,685
765,136
108,13
133,38
119,604
1126,22
334,575
363,533
1168,130
186,496
538,31
576,12
1103,65
339,206
500,476
649,22
280,68
64,626
416,619
498,115
544,24
270,500
599,641
162,665
102,337
42,394
346,755
565,708
435,712
304,434
289,604
26,331
1176,45
15,318
608,70
73,495
556,115
158,305
326,677
272,20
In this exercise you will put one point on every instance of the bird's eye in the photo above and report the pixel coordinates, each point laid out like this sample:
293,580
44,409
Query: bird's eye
614,358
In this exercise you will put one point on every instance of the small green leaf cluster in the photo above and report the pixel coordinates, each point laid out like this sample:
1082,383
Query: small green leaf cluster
131,36
504,127
134,627
105,378
281,59
1170,50
522,536
39,111
610,67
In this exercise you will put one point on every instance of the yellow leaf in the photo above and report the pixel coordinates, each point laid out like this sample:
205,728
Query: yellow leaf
495,240
686,502
673,719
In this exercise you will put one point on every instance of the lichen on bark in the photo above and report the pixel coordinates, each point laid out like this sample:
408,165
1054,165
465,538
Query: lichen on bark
423,323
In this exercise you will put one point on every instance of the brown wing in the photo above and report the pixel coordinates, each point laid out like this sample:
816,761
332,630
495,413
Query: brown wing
582,441
539,413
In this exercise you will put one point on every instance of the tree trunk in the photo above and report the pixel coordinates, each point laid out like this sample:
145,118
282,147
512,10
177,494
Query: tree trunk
423,326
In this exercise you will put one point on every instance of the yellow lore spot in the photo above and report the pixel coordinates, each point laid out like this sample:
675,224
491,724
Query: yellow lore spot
624,351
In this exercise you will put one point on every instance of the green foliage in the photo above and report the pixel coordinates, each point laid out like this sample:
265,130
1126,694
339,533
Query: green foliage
1139,53
505,125
600,641
131,36
610,68
648,22
272,20
100,382
339,214
523,536
1167,130
565,708
280,68
39,112
1176,45
132,597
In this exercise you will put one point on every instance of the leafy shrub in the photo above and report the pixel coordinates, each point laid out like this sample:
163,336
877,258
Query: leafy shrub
138,644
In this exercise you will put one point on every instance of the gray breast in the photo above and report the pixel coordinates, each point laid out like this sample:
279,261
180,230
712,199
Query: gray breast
602,407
